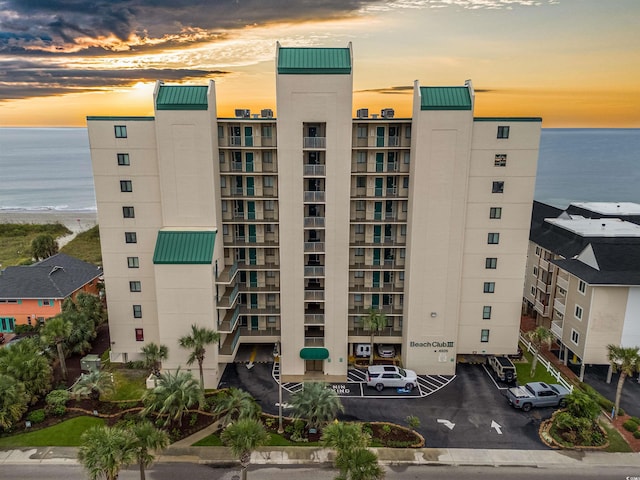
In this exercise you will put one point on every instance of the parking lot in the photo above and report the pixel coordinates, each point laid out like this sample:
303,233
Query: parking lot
468,411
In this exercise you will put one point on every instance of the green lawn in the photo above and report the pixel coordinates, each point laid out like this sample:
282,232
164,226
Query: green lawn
64,434
15,240
616,442
524,371
85,246
275,440
129,383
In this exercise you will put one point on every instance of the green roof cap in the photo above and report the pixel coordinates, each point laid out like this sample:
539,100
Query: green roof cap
445,98
173,247
314,353
182,97
309,61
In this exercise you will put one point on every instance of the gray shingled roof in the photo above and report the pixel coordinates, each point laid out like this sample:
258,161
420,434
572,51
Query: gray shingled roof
55,277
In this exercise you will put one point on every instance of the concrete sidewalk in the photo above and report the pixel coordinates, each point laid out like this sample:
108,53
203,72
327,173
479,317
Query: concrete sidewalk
387,456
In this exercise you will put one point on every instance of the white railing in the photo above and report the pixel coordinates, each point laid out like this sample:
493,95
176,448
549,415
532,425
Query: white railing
556,328
559,306
547,364
562,282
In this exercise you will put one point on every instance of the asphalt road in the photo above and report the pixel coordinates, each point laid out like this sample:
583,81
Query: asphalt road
596,376
470,412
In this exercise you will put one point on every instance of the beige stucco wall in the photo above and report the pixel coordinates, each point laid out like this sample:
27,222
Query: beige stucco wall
605,322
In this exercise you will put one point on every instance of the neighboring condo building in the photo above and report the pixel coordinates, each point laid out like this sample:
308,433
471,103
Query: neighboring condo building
583,278
291,229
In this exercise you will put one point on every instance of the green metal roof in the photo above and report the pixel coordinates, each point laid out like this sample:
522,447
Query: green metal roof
178,247
314,353
182,97
445,98
309,61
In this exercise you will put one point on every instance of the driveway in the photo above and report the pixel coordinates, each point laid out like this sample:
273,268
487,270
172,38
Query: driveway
596,376
469,412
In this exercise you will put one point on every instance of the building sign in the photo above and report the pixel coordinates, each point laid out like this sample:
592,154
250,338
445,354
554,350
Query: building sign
432,344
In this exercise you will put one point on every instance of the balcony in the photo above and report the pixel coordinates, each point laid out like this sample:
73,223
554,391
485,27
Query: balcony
314,318
558,305
315,142
556,328
394,141
562,283
313,197
227,274
314,341
229,321
546,288
314,222
267,141
313,247
542,309
314,272
314,170
388,331
544,265
314,295
229,297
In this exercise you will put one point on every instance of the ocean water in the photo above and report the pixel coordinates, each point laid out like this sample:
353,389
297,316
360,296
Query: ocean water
50,168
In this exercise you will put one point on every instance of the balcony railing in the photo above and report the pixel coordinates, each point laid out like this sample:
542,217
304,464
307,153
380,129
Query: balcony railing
311,247
229,322
314,341
268,141
314,271
314,318
313,196
556,328
235,141
314,221
559,305
546,288
314,170
394,141
229,297
315,142
542,309
227,274
389,331
562,282
315,295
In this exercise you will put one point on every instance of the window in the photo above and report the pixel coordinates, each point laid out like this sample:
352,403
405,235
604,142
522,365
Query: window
407,131
405,182
533,290
491,263
221,157
128,212
361,182
139,335
223,182
486,312
575,336
535,271
407,157
133,262
489,287
578,312
497,187
269,205
267,181
359,252
358,274
137,311
582,287
46,303
126,186
359,228
500,160
493,238
123,159
267,157
484,335
503,132
361,157
495,212
135,286
357,298
362,131
130,237
538,251
360,205
220,131
121,131
267,131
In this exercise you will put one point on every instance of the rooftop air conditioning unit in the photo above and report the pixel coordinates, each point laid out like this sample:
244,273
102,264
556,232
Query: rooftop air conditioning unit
387,113
243,113
362,113
266,113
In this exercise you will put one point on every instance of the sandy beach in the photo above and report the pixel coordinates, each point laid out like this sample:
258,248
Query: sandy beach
75,221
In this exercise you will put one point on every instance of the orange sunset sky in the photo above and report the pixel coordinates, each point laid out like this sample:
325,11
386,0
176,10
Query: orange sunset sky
575,63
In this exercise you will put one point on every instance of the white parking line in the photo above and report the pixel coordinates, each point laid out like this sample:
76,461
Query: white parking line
493,379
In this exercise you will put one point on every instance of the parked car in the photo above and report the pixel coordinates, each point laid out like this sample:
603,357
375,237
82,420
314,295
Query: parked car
363,350
503,367
386,351
537,394
381,376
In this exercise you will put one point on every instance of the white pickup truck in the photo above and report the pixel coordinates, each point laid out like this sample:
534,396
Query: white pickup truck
537,394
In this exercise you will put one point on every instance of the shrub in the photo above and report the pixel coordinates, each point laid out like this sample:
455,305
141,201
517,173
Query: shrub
386,429
36,416
135,365
412,421
21,329
193,419
636,434
630,425
58,410
636,419
57,398
366,428
581,405
399,443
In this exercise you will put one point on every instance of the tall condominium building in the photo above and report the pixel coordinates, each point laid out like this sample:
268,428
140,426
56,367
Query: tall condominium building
583,278
289,230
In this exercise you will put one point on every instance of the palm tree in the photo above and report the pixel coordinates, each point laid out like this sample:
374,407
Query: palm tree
13,401
344,437
91,307
200,337
359,464
236,404
242,437
627,362
43,246
93,385
24,362
147,439
174,394
56,331
105,450
316,403
375,322
540,336
83,332
154,355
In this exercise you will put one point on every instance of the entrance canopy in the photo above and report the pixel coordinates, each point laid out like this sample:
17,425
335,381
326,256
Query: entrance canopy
314,353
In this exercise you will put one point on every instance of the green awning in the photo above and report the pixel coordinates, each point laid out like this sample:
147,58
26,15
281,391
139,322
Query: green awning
179,247
314,353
